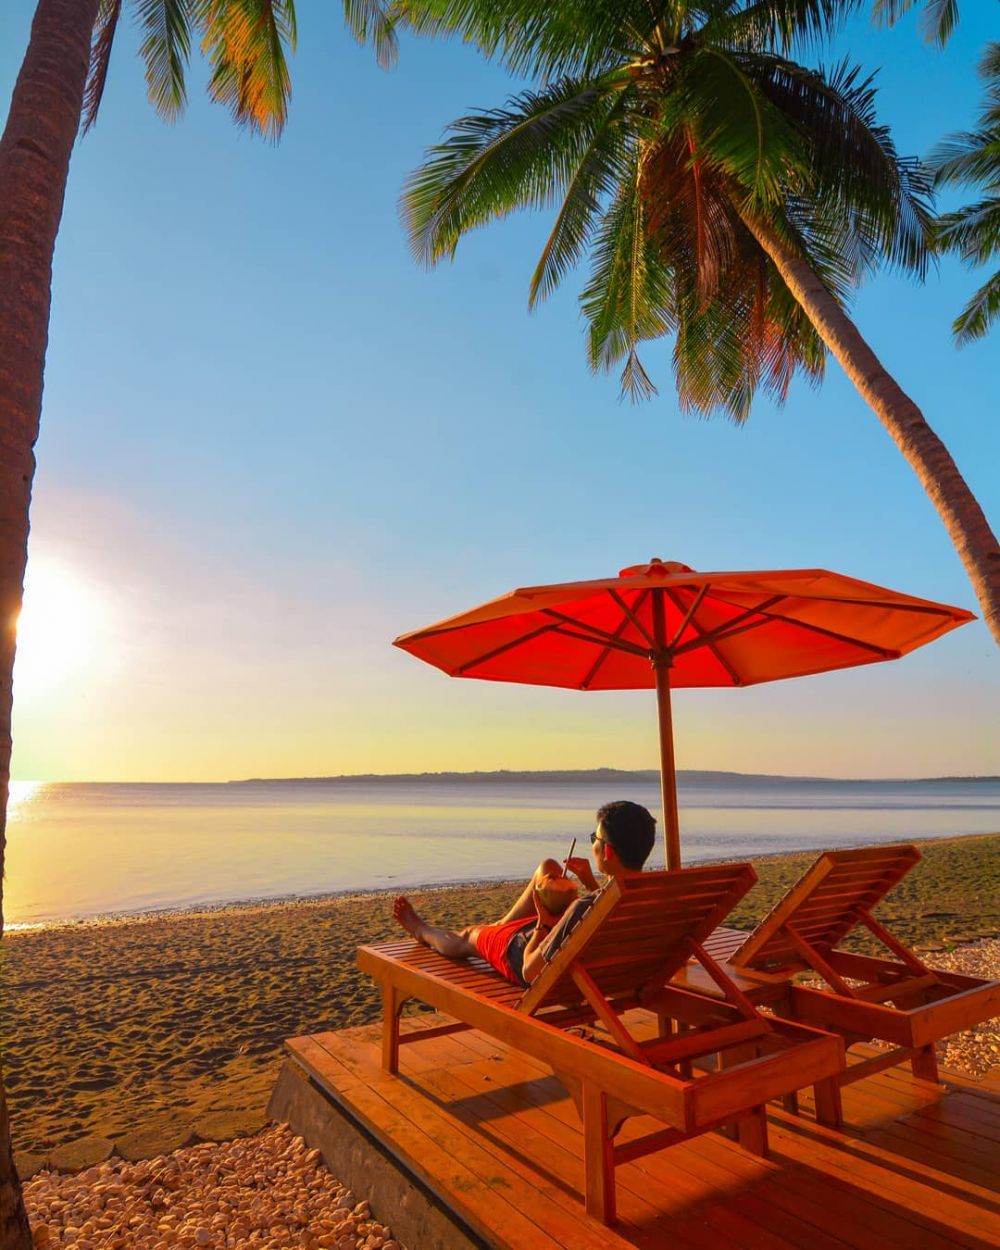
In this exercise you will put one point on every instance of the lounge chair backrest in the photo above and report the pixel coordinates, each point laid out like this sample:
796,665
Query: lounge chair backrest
639,931
825,905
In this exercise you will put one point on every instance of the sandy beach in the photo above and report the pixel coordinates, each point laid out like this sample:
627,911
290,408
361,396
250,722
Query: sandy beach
135,1037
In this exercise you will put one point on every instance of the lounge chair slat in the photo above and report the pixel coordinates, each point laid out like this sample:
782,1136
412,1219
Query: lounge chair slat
873,878
684,879
864,854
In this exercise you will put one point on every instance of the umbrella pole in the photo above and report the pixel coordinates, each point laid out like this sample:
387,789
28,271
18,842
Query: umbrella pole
668,776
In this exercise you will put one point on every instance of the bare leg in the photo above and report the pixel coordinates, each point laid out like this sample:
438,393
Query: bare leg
525,905
445,941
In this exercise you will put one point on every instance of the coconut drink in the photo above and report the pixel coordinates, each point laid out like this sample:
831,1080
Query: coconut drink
556,893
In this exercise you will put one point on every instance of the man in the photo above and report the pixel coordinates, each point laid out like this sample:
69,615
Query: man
523,941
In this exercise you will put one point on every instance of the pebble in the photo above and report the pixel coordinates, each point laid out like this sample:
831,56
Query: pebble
974,1052
205,1197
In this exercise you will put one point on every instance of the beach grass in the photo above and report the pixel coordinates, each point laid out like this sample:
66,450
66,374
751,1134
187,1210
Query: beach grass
141,1035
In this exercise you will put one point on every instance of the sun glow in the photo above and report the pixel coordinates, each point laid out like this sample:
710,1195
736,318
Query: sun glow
59,630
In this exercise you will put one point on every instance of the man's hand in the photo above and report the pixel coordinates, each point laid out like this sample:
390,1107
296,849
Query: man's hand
581,869
545,917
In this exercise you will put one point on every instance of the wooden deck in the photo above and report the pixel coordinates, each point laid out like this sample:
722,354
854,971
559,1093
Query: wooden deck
493,1136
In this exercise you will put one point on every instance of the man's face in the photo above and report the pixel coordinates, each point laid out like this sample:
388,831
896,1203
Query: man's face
599,849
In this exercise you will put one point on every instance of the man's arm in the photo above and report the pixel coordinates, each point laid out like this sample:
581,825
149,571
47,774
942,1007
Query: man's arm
581,869
534,961
546,939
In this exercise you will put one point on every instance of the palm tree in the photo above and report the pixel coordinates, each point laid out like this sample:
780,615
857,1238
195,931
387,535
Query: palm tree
973,159
726,195
59,89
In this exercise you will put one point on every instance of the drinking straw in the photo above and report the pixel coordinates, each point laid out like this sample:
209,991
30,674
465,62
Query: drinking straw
572,848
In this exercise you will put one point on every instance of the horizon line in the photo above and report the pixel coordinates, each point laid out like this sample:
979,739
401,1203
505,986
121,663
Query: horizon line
511,774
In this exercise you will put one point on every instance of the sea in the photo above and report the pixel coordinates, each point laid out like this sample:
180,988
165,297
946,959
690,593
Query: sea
82,851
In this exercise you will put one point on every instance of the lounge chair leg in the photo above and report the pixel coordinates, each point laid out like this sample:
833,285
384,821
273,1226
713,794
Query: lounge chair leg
829,1106
392,1005
685,1067
752,1131
924,1064
598,1156
790,1102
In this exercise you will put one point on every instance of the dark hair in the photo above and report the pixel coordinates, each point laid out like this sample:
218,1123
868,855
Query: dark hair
630,829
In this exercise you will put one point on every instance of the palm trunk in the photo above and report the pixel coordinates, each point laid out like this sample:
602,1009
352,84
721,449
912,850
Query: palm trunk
34,163
964,519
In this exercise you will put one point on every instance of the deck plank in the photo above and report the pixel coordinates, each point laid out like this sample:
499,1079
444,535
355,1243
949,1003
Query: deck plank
449,1162
495,1136
879,1177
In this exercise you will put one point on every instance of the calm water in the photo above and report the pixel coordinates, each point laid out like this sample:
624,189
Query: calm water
76,851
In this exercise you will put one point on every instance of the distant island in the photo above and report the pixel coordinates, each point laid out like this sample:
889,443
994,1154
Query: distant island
564,776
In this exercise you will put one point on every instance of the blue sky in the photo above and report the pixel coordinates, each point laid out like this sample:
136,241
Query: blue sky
270,443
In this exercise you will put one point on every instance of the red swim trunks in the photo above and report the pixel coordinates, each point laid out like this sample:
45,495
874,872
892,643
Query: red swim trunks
493,941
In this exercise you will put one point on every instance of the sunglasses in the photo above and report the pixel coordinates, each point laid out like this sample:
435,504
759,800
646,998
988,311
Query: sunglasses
595,837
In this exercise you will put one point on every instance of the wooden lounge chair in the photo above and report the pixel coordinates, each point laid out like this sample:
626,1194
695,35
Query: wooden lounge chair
899,1000
621,956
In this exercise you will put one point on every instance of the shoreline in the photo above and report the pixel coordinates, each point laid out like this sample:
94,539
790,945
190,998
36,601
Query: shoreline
137,1036
105,920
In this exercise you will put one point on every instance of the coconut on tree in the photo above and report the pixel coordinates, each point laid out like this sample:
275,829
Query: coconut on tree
58,92
724,193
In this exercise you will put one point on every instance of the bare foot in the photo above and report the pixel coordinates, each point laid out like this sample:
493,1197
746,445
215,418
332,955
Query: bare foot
405,914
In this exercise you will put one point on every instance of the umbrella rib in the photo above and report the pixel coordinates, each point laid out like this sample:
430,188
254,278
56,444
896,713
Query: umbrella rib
507,646
890,653
615,645
592,633
704,640
926,609
596,666
696,604
737,625
631,614
740,625
725,593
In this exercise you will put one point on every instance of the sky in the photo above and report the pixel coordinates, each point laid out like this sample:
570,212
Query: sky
271,443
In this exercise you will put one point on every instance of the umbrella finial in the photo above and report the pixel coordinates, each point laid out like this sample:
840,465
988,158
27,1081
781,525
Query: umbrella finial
655,568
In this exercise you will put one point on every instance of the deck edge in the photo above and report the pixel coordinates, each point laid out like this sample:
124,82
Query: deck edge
418,1216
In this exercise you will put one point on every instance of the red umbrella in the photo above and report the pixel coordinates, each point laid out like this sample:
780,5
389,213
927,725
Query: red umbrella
663,625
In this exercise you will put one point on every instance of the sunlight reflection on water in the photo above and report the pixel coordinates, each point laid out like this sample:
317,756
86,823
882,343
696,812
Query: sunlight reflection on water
76,851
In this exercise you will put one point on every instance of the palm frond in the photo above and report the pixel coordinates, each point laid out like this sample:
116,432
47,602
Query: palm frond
573,38
522,156
780,24
734,123
751,336
246,42
971,156
166,50
690,216
979,314
105,27
375,21
603,165
627,299
854,167
973,231
937,22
